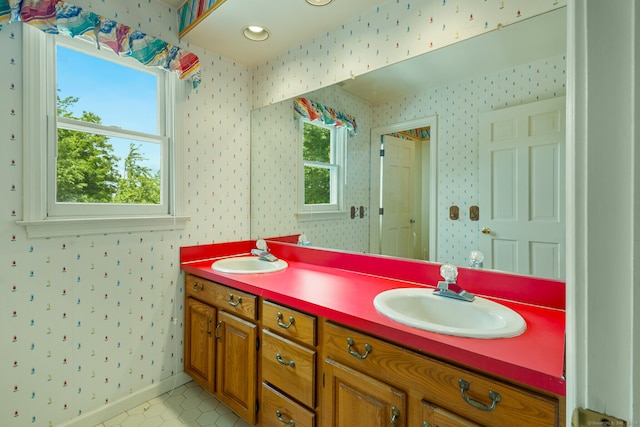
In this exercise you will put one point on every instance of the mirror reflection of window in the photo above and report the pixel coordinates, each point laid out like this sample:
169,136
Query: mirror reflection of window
323,166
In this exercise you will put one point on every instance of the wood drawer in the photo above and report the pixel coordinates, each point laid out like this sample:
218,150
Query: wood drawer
439,382
223,297
289,366
290,323
277,410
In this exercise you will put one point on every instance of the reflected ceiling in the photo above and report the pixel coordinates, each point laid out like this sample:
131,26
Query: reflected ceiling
535,38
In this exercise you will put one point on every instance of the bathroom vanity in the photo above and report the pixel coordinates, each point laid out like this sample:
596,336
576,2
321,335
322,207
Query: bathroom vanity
305,346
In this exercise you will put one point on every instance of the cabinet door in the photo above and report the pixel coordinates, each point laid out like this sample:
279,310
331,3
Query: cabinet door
237,365
434,416
353,399
199,344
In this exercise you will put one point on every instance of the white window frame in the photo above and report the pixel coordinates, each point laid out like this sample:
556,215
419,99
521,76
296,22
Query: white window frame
40,137
335,209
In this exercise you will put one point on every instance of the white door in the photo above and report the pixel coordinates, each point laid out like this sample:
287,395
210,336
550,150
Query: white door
522,188
397,233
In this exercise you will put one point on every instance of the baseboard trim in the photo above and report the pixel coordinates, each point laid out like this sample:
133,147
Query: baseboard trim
130,401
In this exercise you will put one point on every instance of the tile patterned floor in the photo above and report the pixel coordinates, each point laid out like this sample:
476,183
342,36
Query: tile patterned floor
187,405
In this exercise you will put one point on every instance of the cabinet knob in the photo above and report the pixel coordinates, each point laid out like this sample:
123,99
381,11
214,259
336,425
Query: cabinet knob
486,230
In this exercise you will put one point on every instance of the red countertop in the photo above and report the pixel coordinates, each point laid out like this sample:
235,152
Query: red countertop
341,287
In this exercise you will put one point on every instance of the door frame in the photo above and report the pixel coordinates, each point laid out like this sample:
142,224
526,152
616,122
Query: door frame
375,185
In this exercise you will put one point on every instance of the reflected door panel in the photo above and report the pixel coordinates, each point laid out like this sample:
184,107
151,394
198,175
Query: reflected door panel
397,198
522,188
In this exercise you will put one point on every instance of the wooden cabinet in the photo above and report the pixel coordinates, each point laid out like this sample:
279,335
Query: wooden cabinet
277,410
221,347
237,364
275,365
458,395
354,399
199,344
289,364
433,416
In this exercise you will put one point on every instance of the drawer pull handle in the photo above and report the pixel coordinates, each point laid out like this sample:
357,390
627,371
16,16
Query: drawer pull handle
395,414
282,362
354,353
233,303
493,395
218,326
209,320
197,287
285,325
283,421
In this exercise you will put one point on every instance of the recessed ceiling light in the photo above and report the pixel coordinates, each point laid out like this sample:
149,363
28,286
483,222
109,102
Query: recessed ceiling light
319,2
255,33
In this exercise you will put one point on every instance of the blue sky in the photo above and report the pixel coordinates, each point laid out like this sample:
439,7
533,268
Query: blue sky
119,95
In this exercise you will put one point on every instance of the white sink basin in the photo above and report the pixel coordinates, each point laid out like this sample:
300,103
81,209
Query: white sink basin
420,308
248,265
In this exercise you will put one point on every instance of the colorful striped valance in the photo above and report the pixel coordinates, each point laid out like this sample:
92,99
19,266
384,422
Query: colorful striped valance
315,111
58,17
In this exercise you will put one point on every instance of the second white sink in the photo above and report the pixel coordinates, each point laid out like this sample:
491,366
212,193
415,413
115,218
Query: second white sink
420,308
248,265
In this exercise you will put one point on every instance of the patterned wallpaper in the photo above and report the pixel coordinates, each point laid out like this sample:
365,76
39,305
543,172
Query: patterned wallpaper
91,321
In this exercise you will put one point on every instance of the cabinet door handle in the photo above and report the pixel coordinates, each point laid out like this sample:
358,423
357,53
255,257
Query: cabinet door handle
285,325
282,362
395,414
209,320
493,395
368,349
218,326
233,303
283,421
197,287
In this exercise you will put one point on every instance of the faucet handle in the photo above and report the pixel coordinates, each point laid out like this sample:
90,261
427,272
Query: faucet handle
449,272
262,245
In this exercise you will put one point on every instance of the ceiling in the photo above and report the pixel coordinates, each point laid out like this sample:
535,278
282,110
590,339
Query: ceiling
290,22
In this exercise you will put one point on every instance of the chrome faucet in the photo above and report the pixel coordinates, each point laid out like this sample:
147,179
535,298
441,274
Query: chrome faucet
262,251
449,288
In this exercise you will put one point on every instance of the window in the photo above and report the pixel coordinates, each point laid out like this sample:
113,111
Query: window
322,170
99,136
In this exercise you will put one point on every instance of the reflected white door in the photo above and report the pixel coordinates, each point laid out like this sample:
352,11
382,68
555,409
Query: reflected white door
397,233
522,188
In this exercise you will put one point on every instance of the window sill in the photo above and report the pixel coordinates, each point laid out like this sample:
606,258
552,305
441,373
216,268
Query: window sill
60,227
321,216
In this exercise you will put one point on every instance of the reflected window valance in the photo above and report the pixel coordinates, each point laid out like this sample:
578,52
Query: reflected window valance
58,17
315,111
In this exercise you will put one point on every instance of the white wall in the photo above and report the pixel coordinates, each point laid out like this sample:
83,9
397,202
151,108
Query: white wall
87,321
602,208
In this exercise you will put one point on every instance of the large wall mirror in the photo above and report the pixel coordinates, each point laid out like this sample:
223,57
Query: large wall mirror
426,112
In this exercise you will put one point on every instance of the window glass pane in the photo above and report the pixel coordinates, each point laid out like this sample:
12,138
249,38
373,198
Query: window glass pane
100,91
317,144
317,185
93,168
